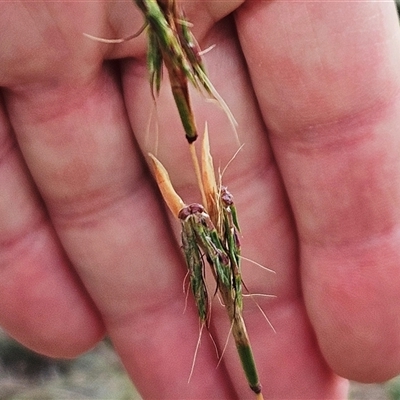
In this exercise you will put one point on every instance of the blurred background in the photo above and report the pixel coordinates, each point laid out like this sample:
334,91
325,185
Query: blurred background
98,375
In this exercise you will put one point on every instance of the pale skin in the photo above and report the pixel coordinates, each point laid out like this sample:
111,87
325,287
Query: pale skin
85,244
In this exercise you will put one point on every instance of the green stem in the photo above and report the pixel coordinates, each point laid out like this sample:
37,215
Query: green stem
245,353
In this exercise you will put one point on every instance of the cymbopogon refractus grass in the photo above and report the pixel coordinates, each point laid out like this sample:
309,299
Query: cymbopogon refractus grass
209,231
209,234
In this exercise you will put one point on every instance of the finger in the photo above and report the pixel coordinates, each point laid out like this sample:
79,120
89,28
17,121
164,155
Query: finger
43,304
73,132
111,226
266,224
327,79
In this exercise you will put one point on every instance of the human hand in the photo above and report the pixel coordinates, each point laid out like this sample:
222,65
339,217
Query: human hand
85,245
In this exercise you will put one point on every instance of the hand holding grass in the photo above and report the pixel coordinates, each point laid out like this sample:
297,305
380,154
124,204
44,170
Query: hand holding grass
85,247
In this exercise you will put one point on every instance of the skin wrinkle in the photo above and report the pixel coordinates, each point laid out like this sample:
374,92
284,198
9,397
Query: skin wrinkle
56,100
353,169
151,309
94,203
91,207
339,131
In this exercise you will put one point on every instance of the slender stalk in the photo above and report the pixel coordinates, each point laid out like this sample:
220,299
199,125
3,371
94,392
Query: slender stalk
171,42
197,170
